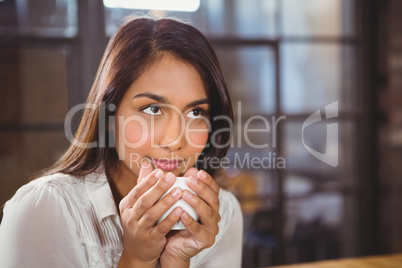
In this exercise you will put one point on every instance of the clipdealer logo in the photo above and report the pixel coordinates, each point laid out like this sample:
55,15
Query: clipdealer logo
330,156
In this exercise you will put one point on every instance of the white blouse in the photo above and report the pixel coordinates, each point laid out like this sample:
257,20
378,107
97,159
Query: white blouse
63,221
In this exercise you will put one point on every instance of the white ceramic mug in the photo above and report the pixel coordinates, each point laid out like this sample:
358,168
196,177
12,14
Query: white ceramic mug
181,182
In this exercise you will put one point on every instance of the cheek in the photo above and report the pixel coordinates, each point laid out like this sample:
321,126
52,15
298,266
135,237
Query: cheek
197,140
136,134
131,136
132,143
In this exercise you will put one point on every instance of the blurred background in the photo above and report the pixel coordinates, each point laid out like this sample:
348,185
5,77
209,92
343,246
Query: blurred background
281,58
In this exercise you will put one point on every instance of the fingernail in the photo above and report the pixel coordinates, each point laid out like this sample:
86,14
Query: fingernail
158,174
185,215
202,174
193,180
177,211
187,195
169,177
176,192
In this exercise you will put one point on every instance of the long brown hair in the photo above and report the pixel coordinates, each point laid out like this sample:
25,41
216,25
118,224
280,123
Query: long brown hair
135,47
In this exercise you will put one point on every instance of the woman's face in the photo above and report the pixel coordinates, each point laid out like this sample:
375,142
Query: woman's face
163,117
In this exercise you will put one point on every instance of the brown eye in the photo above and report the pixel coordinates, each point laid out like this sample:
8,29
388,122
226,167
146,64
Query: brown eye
195,113
153,110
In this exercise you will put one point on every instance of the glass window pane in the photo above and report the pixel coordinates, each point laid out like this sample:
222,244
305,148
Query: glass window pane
240,18
214,17
314,75
318,17
325,206
249,186
24,154
54,18
116,17
316,225
254,134
250,74
34,84
254,146
327,145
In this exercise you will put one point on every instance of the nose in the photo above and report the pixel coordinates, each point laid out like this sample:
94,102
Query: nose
173,133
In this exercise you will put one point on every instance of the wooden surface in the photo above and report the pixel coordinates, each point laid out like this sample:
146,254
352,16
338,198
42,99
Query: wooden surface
386,261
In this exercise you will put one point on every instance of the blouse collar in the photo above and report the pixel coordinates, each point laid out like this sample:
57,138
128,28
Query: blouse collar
100,195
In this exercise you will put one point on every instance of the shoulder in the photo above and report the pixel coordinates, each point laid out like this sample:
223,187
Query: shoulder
42,221
49,201
47,190
54,180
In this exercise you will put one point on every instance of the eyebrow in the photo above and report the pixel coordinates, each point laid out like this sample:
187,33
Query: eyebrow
164,100
197,102
151,96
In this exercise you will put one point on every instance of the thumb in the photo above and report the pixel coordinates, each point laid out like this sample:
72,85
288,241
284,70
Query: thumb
146,169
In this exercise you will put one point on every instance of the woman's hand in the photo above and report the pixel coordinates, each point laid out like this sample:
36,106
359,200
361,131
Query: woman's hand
182,245
139,211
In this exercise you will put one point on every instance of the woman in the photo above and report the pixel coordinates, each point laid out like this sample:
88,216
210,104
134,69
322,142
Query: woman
152,115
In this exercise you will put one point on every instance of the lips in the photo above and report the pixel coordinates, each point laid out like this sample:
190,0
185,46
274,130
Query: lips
167,165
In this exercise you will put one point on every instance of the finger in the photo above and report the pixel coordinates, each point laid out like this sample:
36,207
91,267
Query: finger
204,191
209,216
198,231
205,177
192,225
146,169
152,215
191,172
167,224
131,198
151,196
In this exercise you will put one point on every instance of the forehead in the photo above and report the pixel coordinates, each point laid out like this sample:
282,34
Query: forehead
172,78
